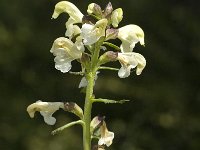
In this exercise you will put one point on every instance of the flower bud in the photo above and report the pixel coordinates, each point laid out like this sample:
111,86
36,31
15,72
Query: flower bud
73,108
85,60
111,34
94,9
108,10
108,57
96,123
116,17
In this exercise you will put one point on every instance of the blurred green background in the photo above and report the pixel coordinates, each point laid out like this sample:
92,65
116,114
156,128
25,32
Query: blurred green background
164,112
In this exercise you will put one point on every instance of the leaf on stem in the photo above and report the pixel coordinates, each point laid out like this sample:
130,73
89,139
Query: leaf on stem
108,101
112,45
108,68
77,73
67,126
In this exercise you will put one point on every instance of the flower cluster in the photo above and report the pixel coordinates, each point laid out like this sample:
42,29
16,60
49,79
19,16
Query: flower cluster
83,31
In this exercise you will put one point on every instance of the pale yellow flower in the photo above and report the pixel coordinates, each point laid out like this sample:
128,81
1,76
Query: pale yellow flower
46,109
66,51
106,136
130,35
128,61
92,33
74,13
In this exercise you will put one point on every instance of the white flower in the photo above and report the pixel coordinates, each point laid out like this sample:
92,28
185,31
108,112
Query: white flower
106,136
116,17
92,33
46,109
130,35
128,61
65,51
74,13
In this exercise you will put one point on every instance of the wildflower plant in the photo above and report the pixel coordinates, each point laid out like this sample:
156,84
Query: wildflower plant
85,40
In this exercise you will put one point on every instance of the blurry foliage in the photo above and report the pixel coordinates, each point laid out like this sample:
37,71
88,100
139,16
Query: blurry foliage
165,99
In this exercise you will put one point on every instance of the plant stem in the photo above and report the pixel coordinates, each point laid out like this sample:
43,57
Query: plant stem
90,76
87,112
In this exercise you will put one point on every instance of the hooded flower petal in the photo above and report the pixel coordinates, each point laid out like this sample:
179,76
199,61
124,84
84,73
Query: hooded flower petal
65,51
130,35
128,61
46,109
74,13
106,136
92,33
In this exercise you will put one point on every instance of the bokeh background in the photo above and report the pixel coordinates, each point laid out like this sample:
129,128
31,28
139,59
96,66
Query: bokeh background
164,112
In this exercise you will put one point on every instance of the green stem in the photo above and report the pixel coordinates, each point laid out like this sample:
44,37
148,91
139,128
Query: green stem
87,112
90,76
